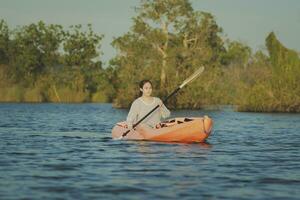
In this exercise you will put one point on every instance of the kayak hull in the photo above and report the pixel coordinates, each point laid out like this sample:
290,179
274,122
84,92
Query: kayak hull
174,130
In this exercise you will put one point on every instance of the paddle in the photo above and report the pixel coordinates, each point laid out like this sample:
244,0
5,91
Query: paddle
186,81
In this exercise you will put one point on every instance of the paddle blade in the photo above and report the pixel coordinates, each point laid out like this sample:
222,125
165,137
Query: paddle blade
192,77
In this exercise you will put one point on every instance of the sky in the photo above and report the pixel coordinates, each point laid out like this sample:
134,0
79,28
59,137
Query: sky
247,21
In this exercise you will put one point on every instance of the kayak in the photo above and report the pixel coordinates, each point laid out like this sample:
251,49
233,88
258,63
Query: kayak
192,129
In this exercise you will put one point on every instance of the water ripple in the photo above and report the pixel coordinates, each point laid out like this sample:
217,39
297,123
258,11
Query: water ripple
65,151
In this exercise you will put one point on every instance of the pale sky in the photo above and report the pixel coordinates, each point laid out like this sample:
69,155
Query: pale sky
247,21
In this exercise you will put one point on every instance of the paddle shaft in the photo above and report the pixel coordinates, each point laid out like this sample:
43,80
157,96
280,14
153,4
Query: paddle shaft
165,101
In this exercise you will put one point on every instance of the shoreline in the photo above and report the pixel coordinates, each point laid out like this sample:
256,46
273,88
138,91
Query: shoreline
233,108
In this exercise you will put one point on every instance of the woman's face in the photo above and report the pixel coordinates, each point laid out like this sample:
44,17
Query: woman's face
147,89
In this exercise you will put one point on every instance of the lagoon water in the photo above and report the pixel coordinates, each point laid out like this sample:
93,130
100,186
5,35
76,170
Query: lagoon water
64,151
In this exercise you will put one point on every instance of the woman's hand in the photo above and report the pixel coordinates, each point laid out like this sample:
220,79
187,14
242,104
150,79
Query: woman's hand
128,126
160,103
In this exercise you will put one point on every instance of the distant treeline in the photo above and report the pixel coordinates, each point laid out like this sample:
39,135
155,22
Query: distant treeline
46,63
167,41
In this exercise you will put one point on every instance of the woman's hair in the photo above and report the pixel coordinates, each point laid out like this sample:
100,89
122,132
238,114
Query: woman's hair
142,83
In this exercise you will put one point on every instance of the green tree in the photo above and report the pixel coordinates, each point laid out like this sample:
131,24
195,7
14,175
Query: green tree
34,48
280,56
237,54
167,41
46,63
4,42
157,22
276,87
81,47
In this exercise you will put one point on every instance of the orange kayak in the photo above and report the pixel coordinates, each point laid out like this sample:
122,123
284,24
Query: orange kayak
174,130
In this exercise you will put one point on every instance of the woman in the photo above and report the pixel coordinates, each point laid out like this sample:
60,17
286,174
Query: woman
144,104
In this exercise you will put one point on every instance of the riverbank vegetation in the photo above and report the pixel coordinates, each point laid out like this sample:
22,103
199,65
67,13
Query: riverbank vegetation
46,63
167,41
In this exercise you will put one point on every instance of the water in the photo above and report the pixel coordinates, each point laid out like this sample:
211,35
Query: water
65,151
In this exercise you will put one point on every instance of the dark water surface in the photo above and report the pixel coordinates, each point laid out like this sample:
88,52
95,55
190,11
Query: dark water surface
65,151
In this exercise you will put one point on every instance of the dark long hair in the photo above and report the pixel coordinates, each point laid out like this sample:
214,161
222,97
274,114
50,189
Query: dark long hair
141,85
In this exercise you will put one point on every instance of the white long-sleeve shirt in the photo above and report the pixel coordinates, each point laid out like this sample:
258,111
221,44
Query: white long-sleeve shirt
140,108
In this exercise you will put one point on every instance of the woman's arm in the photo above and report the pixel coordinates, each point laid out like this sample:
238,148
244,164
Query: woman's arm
132,115
164,111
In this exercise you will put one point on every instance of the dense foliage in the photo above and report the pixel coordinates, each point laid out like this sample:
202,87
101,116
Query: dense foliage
167,41
275,86
45,63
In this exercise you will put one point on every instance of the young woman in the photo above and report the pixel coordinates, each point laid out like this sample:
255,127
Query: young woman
144,104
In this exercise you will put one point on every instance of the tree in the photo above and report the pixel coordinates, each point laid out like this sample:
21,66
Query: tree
80,47
164,16
34,48
167,42
4,42
237,54
276,87
280,56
